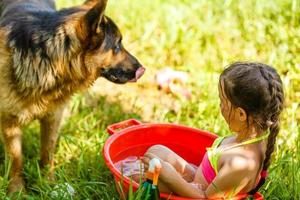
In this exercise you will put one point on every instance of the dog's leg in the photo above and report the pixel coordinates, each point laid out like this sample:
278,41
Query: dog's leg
12,138
49,135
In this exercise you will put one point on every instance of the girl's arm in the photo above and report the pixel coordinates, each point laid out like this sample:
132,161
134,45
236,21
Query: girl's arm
174,181
233,177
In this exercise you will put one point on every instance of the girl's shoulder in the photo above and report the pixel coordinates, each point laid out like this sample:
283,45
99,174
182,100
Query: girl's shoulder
239,156
225,141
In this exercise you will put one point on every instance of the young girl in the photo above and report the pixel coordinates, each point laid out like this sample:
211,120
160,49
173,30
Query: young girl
252,98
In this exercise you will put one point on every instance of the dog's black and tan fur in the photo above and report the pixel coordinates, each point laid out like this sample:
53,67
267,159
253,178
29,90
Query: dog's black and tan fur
46,56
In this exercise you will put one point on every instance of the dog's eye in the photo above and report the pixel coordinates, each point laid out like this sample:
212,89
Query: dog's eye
117,48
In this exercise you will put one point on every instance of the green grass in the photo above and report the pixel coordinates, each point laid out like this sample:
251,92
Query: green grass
201,38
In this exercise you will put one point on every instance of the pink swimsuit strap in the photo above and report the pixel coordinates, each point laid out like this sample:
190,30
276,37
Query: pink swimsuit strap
207,169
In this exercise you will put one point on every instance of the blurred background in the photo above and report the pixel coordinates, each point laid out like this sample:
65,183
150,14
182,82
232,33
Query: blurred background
199,38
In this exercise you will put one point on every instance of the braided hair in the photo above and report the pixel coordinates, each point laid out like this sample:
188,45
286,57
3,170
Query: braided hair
257,88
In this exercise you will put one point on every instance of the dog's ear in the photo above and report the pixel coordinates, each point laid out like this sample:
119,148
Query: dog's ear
90,22
90,3
94,16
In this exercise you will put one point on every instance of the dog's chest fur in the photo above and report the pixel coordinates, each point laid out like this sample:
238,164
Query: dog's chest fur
29,95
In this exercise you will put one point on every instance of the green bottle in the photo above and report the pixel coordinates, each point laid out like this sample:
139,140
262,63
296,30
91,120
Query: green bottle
150,189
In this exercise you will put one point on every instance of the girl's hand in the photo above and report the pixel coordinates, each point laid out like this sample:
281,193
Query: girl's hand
167,173
146,159
173,180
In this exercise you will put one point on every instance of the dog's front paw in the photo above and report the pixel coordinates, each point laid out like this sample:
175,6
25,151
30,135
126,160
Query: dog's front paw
50,175
16,185
48,171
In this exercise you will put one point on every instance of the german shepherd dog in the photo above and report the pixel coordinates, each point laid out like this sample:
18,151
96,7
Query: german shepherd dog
45,57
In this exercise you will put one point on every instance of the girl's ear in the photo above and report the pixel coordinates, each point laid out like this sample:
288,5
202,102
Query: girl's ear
241,114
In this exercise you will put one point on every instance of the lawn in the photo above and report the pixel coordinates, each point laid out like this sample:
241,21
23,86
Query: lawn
198,37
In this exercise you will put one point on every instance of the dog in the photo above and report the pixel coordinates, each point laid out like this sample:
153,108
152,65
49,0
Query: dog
46,56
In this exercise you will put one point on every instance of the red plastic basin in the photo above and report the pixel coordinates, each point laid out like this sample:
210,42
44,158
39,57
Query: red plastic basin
133,138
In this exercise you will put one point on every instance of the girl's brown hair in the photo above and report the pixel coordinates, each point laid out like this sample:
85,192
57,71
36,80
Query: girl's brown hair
257,88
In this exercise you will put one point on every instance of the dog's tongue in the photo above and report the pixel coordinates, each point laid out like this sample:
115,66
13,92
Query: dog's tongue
139,72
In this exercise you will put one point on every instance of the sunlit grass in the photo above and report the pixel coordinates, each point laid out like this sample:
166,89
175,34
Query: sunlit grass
201,38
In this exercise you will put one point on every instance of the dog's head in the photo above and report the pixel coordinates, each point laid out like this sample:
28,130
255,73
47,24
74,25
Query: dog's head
102,42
